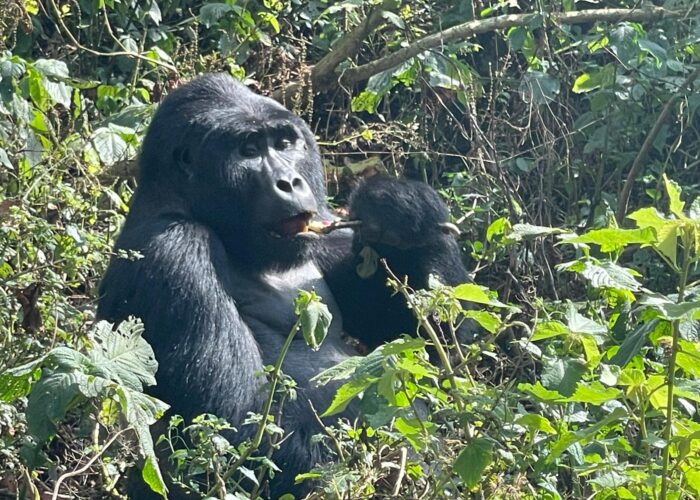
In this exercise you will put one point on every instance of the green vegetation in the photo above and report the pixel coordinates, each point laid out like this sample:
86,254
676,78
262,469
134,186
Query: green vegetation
567,142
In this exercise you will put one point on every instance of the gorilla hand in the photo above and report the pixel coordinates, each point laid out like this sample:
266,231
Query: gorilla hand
399,214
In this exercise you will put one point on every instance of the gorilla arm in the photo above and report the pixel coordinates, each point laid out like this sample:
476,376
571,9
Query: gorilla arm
179,290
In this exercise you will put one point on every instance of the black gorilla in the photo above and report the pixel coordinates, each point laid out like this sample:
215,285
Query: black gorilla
229,181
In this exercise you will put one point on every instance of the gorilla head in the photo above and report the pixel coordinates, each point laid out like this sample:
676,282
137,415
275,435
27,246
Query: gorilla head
239,163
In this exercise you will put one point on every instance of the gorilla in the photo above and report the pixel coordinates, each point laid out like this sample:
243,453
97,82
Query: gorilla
229,182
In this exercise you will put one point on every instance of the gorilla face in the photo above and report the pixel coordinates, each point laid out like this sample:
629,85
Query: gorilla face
242,162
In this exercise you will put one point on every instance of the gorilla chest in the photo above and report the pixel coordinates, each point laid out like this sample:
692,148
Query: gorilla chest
266,305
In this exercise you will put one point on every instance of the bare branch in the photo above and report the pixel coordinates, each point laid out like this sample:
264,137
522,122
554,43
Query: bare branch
324,75
648,143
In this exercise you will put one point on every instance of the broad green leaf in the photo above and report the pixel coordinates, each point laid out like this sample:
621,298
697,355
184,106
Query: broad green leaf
594,393
341,371
610,275
498,227
110,146
123,355
346,393
590,349
549,329
666,231
570,438
578,323
536,422
667,308
210,13
472,293
562,374
473,460
49,401
540,392
487,320
612,239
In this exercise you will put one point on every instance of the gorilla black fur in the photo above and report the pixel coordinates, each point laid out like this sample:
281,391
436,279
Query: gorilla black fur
228,181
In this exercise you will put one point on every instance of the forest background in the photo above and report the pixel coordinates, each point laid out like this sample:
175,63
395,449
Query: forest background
565,136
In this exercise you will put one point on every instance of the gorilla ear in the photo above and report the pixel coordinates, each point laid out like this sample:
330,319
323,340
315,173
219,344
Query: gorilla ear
183,159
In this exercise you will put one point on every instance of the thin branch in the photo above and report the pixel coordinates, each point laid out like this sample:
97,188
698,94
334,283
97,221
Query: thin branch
89,463
323,72
127,53
471,28
325,75
646,147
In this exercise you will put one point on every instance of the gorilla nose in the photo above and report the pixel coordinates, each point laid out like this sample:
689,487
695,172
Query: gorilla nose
295,190
286,186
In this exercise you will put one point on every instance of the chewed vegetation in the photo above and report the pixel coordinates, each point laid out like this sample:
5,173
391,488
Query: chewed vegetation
563,135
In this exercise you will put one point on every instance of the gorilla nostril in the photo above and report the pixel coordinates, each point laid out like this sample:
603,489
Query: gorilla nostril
296,183
284,186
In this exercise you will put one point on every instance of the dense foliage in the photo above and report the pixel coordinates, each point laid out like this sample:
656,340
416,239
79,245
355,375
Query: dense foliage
568,147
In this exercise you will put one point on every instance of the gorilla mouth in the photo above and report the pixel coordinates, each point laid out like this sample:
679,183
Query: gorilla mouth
296,226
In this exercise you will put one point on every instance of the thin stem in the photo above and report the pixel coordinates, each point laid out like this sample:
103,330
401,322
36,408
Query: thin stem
671,377
260,433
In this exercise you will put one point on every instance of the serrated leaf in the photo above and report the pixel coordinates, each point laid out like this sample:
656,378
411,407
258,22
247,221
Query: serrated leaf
497,227
610,275
341,371
473,460
49,401
123,354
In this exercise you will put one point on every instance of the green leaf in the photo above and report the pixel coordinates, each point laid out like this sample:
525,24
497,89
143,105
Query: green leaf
578,323
549,329
666,231
472,293
49,401
525,231
346,393
473,460
667,308
536,422
210,13
539,88
633,344
314,318
498,227
570,438
110,146
594,393
674,196
609,275
123,355
612,239
487,320
540,392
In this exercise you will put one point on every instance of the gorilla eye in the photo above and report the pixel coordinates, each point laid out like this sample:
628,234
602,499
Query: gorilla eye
249,149
283,143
